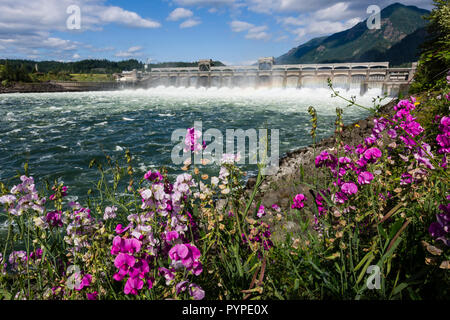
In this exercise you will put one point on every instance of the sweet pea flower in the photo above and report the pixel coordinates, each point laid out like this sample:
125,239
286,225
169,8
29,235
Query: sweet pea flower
365,177
53,218
92,295
261,212
123,262
120,229
298,201
188,255
372,154
153,176
196,292
110,213
349,188
133,285
339,197
276,207
406,178
169,275
172,235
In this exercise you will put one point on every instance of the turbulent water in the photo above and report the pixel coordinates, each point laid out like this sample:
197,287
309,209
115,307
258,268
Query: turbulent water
59,133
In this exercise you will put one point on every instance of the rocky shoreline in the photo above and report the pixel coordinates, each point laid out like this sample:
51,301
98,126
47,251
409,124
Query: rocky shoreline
280,188
32,88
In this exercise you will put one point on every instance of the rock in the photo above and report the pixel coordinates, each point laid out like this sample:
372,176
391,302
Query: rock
251,182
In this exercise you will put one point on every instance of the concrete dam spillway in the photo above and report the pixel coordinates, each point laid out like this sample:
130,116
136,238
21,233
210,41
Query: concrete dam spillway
266,74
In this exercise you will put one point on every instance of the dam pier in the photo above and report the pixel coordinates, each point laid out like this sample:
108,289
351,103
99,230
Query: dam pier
266,74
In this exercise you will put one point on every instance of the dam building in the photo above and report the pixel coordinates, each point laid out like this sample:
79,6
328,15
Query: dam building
267,74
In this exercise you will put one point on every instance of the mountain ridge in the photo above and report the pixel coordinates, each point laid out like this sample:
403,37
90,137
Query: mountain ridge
357,44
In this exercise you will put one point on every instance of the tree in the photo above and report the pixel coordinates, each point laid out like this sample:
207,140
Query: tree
434,63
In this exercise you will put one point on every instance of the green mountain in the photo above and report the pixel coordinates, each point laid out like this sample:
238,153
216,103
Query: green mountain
397,41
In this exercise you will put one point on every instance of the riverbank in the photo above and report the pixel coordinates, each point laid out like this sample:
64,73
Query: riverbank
280,188
32,88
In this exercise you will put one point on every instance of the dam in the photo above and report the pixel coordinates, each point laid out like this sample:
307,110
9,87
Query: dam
267,74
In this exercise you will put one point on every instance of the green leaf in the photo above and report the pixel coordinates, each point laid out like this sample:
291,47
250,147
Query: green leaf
399,288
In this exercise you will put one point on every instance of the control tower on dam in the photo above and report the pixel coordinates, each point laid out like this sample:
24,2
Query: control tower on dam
267,74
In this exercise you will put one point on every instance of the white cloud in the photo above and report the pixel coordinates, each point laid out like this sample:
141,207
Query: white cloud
239,26
28,26
205,2
253,32
320,28
128,18
131,52
337,11
180,13
190,23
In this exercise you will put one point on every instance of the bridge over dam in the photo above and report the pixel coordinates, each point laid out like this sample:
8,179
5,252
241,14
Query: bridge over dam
362,75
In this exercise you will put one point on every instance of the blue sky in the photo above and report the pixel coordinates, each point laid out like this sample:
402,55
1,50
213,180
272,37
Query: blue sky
232,31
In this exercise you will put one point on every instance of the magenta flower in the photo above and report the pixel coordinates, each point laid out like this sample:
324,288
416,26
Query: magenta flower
406,178
53,218
181,286
85,281
261,212
92,296
349,188
123,262
392,133
139,269
276,207
196,292
192,140
188,255
133,285
372,154
124,245
298,201
153,176
120,229
169,275
441,228
365,177
172,235
339,197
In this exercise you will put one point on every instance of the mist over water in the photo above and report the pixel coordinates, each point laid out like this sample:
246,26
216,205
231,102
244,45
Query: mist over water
59,133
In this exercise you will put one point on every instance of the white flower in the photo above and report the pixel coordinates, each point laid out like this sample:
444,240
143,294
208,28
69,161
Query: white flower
214,181
110,213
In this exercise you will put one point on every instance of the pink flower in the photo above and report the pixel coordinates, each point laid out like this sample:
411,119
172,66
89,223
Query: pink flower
192,140
365,177
85,282
133,285
196,292
188,255
172,235
261,212
276,207
153,176
92,296
53,218
120,229
372,154
406,178
339,197
298,201
169,275
349,188
123,262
